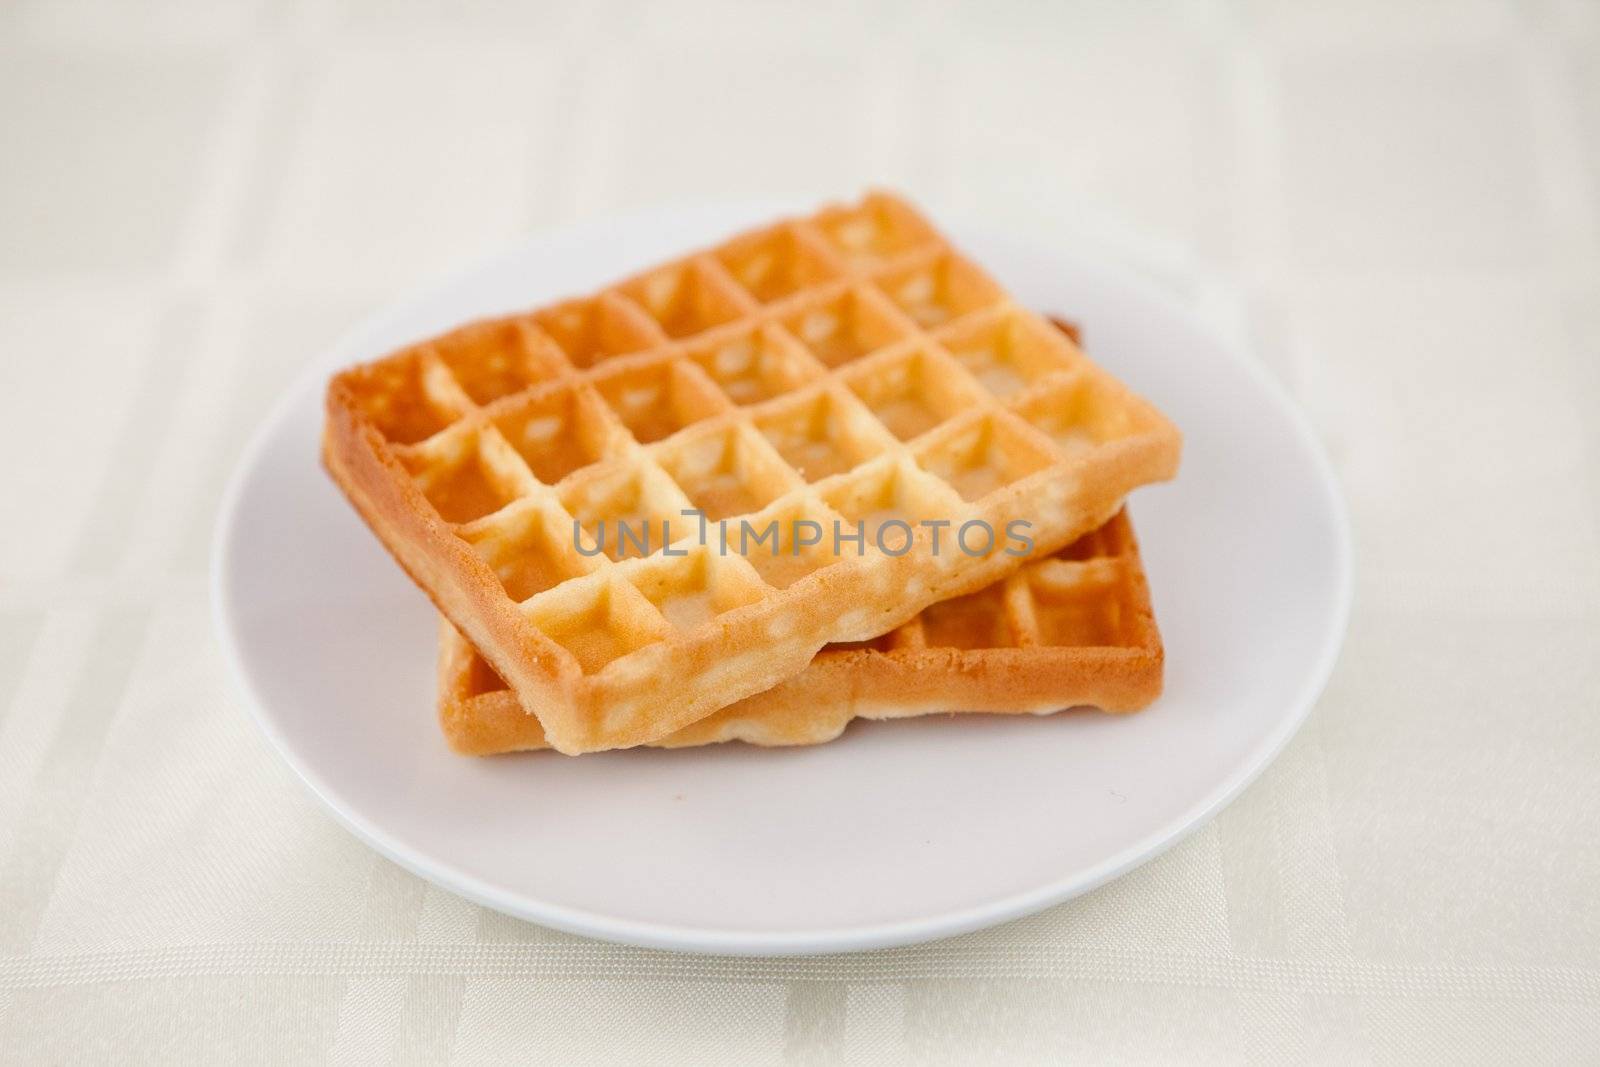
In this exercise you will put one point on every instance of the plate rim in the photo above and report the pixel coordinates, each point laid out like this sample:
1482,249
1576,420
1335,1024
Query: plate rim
754,942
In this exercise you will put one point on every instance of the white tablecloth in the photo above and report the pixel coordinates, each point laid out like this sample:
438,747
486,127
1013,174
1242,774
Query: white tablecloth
196,197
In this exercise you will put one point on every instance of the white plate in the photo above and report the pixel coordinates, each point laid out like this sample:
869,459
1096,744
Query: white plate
898,832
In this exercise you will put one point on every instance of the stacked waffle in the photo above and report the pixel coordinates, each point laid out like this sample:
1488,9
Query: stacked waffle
823,470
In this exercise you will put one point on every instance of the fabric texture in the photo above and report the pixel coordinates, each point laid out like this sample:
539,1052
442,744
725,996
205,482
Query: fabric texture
197,197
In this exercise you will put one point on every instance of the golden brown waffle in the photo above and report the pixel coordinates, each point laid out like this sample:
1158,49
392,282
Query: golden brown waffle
847,367
1072,630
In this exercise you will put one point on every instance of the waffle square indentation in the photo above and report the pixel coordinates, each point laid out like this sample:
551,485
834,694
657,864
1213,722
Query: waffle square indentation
657,400
687,298
912,392
692,589
822,434
982,456
1080,413
755,365
785,544
846,327
1008,352
977,620
561,431
531,547
598,328
1071,606
940,290
467,473
874,230
598,620
776,263
493,359
626,512
408,398
725,472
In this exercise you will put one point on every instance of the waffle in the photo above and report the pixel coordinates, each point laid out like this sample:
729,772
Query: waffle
1072,630
846,368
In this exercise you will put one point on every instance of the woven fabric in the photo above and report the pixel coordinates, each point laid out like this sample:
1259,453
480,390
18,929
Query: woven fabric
197,197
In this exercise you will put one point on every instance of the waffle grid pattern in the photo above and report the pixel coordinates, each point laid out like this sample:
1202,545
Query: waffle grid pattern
1073,630
849,368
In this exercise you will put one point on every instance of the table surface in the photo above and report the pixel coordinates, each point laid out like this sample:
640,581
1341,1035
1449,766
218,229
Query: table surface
195,198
